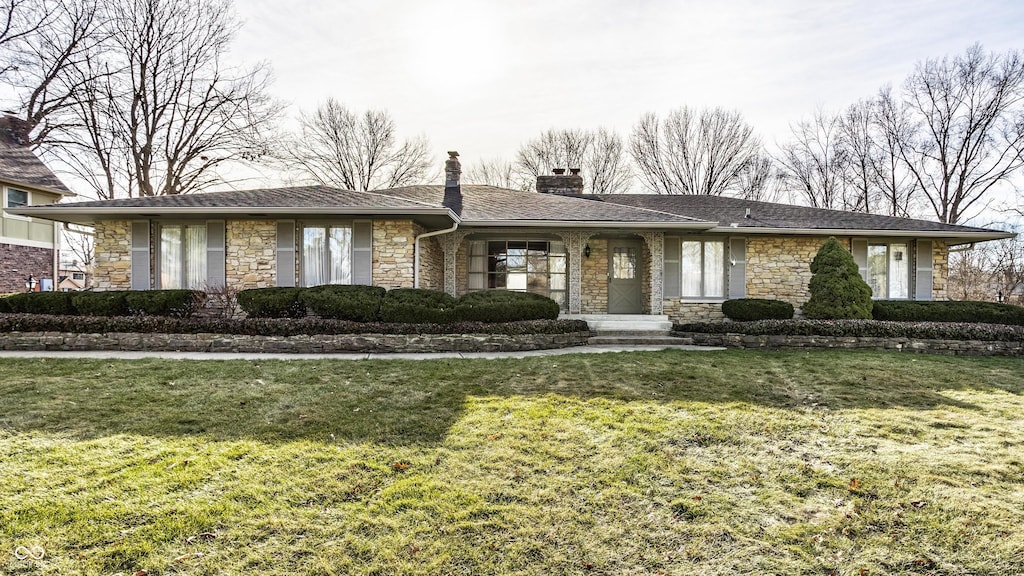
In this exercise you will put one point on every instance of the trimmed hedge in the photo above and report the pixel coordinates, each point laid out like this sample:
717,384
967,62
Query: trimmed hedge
41,303
417,306
93,303
5,307
272,303
269,326
344,302
504,306
856,328
176,303
746,309
948,311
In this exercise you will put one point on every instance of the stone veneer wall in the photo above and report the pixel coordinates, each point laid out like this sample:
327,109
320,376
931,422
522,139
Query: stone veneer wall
645,276
594,281
940,270
779,267
113,255
19,262
683,312
251,254
393,253
431,262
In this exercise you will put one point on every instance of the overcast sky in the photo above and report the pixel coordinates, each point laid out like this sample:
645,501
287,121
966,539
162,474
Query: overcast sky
482,76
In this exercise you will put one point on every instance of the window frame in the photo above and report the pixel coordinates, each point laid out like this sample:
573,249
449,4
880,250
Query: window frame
723,272
159,256
911,267
480,266
7,200
326,225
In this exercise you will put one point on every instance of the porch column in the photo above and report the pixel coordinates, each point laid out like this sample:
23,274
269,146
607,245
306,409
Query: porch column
656,247
450,247
575,240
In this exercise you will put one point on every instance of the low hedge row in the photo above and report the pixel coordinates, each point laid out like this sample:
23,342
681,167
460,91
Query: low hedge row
412,305
177,303
748,309
862,328
271,327
948,311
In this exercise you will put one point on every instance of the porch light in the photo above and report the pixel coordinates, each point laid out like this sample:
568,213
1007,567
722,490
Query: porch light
586,251
31,283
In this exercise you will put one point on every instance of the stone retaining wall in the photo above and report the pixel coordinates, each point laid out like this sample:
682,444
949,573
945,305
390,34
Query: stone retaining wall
301,344
924,346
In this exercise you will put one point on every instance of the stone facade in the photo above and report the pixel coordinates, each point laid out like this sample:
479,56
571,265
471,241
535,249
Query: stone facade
594,279
682,311
779,267
19,262
393,253
112,251
940,270
431,263
250,254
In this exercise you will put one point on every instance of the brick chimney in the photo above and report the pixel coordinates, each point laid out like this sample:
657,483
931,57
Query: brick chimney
561,183
452,186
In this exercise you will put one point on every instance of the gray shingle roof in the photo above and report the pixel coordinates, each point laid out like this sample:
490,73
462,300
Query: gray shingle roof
728,211
19,165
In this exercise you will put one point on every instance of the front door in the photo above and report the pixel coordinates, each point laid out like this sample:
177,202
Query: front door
624,277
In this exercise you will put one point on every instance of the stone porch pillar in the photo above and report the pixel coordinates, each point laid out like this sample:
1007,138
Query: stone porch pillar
656,247
450,246
575,240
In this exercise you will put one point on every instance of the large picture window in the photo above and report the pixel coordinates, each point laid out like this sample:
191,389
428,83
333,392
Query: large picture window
889,270
703,268
326,254
535,266
182,256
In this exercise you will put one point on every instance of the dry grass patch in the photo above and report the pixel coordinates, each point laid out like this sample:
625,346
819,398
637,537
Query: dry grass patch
641,463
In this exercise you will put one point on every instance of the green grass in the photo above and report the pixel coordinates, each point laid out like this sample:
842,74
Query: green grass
640,463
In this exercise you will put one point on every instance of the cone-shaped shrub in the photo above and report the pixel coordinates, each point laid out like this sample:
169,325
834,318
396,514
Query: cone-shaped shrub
837,290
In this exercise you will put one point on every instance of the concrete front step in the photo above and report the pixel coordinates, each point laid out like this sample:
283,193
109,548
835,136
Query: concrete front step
625,324
645,340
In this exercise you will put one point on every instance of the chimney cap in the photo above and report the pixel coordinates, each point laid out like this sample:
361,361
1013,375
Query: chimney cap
453,154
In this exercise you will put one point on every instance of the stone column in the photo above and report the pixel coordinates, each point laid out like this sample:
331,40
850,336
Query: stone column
575,240
656,246
450,245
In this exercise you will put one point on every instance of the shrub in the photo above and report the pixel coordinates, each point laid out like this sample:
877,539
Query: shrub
92,303
948,311
837,290
5,307
58,303
417,305
177,303
747,309
272,303
356,303
861,328
504,306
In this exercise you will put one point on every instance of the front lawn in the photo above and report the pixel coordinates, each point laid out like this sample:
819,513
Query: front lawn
635,463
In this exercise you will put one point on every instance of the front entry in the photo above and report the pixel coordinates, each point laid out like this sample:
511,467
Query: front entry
625,277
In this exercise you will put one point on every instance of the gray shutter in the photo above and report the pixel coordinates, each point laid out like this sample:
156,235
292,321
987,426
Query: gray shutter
140,255
737,267
286,253
672,273
860,256
215,255
923,273
362,252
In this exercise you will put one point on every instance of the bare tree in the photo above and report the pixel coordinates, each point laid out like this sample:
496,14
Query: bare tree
338,147
154,109
758,180
599,154
990,271
968,128
495,172
693,152
814,162
19,19
897,186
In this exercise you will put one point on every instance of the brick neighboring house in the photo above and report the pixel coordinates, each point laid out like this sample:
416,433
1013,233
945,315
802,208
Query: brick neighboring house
667,256
28,245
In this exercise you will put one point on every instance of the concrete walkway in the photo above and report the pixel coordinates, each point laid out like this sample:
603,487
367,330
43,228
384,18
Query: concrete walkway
117,355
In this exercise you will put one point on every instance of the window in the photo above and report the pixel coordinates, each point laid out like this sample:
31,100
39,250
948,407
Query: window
703,268
78,275
326,254
16,198
182,256
535,266
889,270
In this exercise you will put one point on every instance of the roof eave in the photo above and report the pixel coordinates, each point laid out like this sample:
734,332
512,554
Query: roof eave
588,224
22,184
89,215
965,236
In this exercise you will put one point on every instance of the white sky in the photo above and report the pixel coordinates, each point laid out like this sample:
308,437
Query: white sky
482,76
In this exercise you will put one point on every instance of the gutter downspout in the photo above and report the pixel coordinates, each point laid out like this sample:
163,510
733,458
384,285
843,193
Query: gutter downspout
416,251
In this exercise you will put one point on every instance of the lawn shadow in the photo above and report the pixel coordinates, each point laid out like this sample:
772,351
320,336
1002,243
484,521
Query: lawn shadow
416,402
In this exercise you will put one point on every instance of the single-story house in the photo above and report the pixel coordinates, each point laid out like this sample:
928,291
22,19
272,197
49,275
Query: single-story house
28,246
674,256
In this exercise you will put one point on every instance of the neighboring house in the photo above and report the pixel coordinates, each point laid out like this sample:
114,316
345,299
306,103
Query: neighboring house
72,277
679,256
28,246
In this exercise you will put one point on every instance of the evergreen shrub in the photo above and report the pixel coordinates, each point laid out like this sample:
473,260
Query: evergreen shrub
837,290
504,306
417,306
749,309
178,303
272,302
100,303
344,302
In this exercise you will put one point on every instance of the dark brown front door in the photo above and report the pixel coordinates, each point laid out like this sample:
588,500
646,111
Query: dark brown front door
624,277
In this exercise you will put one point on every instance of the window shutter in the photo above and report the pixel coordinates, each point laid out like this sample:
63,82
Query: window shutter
215,254
737,267
923,272
860,256
286,253
672,274
140,255
362,253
